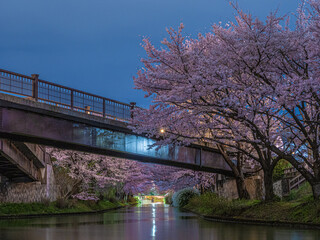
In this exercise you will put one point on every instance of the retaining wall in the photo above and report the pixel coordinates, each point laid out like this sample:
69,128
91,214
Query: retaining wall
254,186
29,192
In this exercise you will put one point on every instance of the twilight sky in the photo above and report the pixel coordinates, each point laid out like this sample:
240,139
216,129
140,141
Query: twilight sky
94,45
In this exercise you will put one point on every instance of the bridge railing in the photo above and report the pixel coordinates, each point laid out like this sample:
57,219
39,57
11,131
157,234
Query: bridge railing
54,94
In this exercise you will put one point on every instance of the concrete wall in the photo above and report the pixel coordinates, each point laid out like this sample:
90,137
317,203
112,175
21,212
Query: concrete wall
253,184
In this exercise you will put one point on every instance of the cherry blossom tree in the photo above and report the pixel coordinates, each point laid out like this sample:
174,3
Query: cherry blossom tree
249,86
168,178
88,170
280,68
87,173
188,109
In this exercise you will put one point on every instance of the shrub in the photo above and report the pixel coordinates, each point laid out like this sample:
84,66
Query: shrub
278,171
61,203
112,200
108,194
212,204
90,203
182,197
168,198
302,193
132,200
45,202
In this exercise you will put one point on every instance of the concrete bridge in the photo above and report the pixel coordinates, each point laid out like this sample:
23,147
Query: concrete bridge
40,112
22,162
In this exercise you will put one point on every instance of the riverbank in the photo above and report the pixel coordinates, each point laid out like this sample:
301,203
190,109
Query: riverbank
22,210
299,209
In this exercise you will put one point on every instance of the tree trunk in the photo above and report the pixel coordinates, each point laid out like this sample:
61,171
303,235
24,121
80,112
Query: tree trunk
241,188
268,184
201,189
316,190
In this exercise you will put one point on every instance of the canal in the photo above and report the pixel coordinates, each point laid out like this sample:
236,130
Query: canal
154,222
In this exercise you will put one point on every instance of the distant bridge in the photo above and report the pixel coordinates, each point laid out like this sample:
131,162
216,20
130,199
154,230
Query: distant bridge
41,112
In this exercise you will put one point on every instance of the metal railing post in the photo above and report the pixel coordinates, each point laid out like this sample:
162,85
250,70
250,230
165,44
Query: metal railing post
71,102
35,86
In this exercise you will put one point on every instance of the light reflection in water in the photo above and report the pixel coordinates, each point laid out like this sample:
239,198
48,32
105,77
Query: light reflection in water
149,222
153,232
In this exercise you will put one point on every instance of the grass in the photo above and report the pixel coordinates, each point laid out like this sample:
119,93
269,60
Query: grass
70,206
298,207
211,204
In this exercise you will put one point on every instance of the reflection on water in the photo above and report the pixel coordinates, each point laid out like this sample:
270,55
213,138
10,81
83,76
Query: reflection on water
155,222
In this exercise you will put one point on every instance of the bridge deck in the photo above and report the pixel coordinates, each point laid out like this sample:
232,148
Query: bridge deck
24,119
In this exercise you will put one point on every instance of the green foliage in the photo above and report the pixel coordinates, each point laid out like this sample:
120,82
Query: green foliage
138,201
168,198
132,200
278,171
60,206
108,194
46,202
183,196
303,193
211,204
68,185
62,203
301,209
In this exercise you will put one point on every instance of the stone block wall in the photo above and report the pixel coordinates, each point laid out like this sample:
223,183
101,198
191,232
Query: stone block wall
29,192
281,187
277,188
228,189
254,186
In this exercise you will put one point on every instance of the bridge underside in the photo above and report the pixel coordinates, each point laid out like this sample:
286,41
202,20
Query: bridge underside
16,165
75,131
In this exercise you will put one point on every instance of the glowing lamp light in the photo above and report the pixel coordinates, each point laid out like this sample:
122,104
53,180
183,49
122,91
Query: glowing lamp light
162,130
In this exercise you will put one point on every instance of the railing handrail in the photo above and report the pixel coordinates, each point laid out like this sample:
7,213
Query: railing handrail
36,82
65,87
296,181
79,91
14,73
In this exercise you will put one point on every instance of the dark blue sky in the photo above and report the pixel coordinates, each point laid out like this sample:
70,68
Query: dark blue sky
95,45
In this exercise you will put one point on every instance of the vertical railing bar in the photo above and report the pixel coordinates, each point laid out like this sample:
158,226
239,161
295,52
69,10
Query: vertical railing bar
48,96
104,107
10,83
71,95
21,84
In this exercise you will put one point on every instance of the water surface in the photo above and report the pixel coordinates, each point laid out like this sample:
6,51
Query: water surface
154,222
